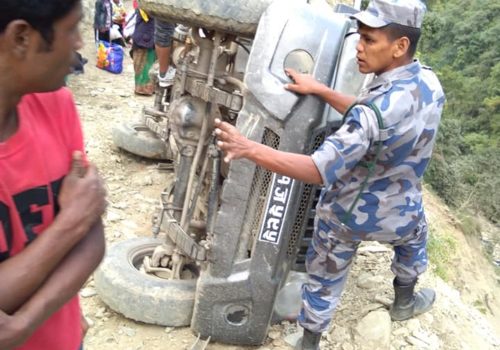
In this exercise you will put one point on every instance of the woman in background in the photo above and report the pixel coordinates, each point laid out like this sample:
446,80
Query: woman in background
119,14
103,22
143,52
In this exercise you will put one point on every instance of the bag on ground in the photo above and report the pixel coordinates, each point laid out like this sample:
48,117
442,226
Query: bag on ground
110,57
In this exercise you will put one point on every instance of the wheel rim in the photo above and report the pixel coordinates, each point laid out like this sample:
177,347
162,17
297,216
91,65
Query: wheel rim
136,256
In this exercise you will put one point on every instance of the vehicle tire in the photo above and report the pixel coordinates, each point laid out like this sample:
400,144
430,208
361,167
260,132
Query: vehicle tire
139,140
228,16
139,296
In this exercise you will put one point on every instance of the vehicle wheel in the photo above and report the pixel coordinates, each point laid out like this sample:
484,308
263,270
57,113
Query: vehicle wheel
139,140
229,16
139,296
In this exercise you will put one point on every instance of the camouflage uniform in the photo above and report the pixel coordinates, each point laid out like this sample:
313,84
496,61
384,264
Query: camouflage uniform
390,208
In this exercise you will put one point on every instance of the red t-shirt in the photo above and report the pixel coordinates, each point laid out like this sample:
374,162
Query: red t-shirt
33,163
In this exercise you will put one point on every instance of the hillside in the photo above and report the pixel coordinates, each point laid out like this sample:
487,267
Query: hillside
466,314
456,322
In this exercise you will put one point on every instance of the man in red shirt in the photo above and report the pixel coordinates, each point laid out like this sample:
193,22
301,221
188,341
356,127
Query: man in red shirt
51,199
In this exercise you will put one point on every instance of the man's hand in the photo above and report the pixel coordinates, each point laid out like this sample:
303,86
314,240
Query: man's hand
82,197
231,142
303,84
13,332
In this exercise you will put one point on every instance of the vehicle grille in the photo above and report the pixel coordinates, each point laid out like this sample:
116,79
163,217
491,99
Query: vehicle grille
304,221
259,189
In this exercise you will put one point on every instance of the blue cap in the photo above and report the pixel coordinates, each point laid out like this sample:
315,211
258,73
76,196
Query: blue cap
380,13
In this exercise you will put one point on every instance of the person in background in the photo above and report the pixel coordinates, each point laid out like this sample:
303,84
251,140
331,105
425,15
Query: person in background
119,12
104,26
371,169
163,45
119,15
51,234
143,53
103,19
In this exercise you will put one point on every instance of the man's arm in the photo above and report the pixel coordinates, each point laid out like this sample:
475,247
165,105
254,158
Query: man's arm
338,154
296,166
305,84
58,289
82,201
67,279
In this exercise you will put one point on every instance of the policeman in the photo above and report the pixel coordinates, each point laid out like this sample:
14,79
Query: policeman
371,168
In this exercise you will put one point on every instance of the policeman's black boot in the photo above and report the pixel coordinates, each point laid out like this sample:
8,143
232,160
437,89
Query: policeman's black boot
309,341
408,304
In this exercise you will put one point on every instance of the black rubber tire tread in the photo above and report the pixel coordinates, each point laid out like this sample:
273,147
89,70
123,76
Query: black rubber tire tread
139,296
228,16
137,139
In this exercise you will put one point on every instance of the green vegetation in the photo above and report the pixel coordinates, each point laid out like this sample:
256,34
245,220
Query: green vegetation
469,224
479,305
441,248
460,42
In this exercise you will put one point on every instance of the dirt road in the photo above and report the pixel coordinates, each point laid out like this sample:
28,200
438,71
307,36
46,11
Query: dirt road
134,185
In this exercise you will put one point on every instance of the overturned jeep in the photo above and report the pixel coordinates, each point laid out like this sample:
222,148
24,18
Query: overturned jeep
226,237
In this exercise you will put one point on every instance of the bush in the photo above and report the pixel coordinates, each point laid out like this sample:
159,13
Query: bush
464,170
469,224
441,248
441,173
479,173
464,54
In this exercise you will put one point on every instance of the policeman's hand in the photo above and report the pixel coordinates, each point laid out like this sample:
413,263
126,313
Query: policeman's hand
13,331
82,197
230,141
302,83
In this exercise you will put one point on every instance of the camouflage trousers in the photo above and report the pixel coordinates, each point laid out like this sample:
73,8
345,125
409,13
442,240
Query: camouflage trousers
328,260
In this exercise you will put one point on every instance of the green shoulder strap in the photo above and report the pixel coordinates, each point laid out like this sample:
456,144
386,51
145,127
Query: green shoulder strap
369,165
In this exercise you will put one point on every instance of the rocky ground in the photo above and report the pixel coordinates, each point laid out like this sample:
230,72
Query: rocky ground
362,320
